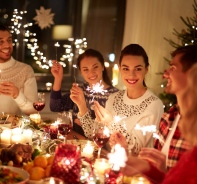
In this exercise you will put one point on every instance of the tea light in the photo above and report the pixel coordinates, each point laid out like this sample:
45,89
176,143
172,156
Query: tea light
16,131
101,165
53,130
27,136
35,117
16,138
88,150
5,136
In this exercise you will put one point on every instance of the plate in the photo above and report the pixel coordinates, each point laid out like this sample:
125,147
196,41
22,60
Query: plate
12,120
24,174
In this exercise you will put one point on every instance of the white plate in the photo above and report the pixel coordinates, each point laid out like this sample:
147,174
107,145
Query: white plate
24,174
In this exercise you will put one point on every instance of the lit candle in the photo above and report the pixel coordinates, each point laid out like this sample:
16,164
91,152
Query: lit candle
16,138
115,74
101,165
27,136
35,117
88,150
16,131
5,136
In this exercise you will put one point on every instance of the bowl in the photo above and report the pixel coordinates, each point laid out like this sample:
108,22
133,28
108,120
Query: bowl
24,174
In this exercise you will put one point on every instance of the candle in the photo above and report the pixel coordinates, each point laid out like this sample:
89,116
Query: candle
115,74
53,130
5,136
101,165
27,136
88,150
16,131
35,117
16,138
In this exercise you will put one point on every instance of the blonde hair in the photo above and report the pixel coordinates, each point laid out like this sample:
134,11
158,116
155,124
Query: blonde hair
188,107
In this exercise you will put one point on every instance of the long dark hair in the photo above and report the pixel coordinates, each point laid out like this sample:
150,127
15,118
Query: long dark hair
4,28
98,55
135,50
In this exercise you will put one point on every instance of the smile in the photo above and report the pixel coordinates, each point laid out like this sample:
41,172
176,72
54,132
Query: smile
131,81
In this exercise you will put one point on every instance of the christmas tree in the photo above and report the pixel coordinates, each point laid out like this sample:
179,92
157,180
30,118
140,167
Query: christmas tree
187,36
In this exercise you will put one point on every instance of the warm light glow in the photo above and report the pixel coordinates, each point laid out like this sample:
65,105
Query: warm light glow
62,32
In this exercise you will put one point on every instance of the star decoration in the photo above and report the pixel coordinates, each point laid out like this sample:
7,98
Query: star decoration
44,18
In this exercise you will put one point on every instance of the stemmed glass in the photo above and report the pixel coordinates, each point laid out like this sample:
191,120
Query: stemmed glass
64,124
40,103
101,135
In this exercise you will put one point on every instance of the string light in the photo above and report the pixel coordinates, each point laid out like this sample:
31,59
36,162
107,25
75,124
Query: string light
76,46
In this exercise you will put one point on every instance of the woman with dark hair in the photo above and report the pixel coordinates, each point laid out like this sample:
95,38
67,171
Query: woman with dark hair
91,66
135,105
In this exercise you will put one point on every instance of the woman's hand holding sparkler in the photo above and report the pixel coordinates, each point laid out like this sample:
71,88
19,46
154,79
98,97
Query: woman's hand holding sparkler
57,72
155,156
118,138
102,115
77,96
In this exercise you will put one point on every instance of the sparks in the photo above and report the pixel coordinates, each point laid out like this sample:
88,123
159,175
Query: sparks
117,157
156,136
144,129
97,88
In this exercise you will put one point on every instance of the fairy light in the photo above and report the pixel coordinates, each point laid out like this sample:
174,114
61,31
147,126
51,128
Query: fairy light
32,42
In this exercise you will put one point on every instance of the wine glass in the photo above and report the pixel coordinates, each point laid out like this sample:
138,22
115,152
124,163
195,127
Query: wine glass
40,103
101,135
64,124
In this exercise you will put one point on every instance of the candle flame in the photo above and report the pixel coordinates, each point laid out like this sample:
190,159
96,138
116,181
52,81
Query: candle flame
118,157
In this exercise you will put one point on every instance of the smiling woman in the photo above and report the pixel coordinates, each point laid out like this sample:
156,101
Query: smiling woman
135,105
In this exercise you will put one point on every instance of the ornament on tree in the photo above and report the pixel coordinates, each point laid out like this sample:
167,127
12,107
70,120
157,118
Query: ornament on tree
44,18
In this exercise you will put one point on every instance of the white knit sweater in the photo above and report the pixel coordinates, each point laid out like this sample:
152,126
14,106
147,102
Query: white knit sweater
22,75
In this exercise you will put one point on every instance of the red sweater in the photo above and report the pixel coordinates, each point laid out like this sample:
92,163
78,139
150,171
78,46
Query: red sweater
184,172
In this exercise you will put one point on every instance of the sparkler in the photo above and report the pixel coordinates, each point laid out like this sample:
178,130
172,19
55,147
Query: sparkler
144,129
96,88
118,157
56,46
75,66
156,136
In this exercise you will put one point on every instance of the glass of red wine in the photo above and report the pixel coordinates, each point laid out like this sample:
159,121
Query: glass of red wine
40,103
101,135
64,124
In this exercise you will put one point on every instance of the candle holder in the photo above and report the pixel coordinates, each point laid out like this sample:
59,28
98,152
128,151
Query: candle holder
67,163
113,177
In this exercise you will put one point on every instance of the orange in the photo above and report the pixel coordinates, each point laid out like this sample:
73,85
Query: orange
50,159
41,161
27,166
48,170
36,173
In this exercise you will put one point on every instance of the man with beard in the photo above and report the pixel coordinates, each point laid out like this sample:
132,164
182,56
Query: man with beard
171,145
18,87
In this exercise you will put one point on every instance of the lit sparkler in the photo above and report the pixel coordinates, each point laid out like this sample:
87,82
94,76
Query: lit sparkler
75,66
144,129
96,88
56,46
156,136
118,157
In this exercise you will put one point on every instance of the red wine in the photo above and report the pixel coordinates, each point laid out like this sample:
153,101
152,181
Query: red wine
39,105
64,129
100,139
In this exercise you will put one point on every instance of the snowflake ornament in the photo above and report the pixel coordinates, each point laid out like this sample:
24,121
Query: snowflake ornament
44,18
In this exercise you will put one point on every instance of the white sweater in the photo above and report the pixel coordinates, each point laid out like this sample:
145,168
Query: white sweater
22,75
145,110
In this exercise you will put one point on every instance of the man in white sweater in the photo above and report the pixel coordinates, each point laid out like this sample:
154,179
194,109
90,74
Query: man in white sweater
18,87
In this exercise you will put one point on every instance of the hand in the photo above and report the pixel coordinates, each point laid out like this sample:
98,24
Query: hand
57,70
155,156
135,166
77,96
9,89
102,115
118,138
